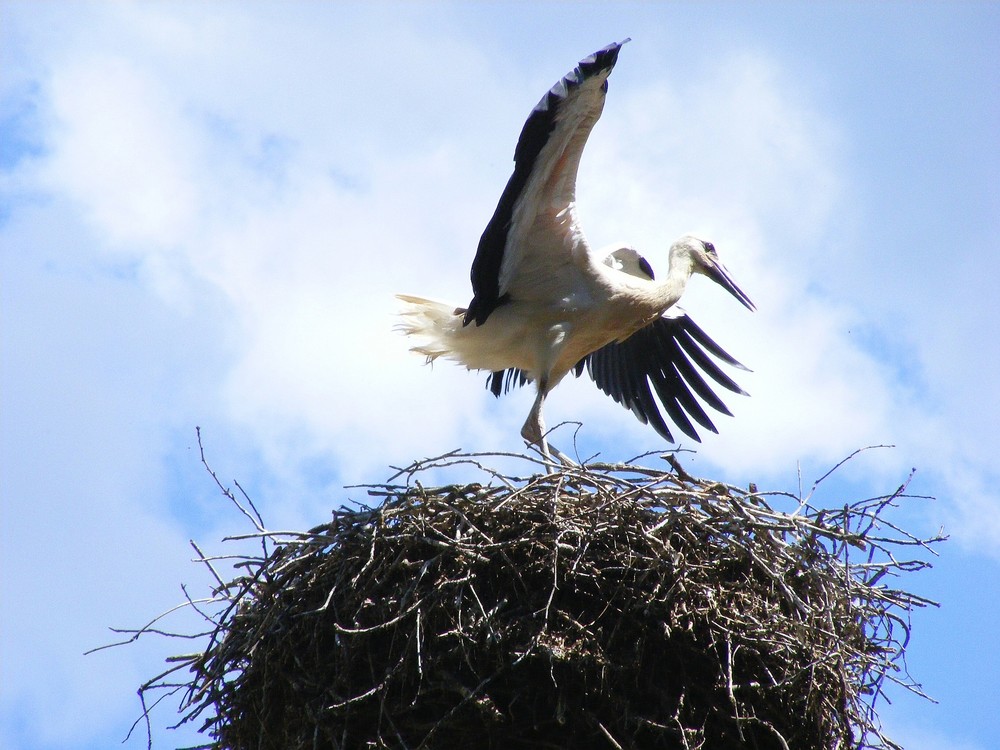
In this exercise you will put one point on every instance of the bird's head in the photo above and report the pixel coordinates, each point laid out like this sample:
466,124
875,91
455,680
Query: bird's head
703,259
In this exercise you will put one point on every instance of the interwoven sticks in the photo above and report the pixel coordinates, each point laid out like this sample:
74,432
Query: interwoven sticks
595,606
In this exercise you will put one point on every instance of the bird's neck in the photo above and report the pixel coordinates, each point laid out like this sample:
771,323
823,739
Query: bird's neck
667,293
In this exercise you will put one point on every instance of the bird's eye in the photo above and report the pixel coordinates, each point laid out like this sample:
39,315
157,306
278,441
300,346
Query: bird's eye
709,248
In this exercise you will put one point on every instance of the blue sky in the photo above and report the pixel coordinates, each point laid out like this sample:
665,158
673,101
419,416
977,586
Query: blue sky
205,209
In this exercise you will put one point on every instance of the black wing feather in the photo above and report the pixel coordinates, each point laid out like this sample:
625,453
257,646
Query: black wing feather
693,330
672,362
711,369
502,381
649,414
664,354
704,391
668,383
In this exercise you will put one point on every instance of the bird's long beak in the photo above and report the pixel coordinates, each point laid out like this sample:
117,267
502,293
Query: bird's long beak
718,273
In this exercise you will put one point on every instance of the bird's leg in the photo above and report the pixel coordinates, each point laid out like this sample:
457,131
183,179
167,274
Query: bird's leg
533,430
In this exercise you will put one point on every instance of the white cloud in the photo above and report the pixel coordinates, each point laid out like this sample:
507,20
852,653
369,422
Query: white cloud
123,151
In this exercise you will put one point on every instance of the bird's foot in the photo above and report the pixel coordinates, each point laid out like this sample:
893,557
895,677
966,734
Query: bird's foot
534,435
550,453
566,460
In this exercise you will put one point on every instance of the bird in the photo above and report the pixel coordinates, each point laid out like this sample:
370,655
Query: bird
545,304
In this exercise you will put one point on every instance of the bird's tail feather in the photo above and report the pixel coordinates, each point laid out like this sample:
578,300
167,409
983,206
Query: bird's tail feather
439,331
431,323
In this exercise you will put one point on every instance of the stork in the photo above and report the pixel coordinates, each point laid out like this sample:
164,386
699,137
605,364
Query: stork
544,304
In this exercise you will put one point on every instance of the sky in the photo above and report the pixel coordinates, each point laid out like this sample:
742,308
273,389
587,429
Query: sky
206,209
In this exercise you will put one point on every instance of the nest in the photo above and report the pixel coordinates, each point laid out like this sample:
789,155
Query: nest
600,606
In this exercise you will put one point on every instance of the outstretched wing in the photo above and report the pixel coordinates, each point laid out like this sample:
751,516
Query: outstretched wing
668,357
537,204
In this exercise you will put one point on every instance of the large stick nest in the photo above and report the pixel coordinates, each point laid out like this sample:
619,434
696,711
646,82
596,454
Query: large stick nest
595,606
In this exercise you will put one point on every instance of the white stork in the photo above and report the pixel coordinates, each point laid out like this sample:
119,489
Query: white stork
544,304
